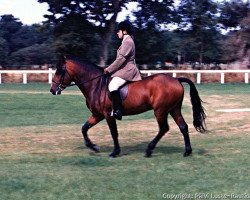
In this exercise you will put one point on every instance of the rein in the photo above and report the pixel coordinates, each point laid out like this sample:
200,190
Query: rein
62,86
73,84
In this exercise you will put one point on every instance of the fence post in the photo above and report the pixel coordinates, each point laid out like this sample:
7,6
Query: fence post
50,75
222,78
198,77
246,77
24,78
174,74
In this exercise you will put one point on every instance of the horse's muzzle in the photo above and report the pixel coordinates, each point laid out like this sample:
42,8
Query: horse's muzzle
56,92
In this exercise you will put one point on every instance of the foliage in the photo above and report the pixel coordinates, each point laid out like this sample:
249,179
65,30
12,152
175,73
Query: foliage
198,19
237,45
87,29
78,37
233,12
102,15
37,54
4,51
21,44
160,46
151,12
97,12
8,27
236,15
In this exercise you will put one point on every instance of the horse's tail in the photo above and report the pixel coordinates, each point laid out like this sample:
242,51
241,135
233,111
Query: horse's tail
199,114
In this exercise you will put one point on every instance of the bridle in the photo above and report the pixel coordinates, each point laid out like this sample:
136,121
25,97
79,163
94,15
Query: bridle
62,86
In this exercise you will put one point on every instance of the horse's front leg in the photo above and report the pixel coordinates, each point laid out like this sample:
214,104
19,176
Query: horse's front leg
113,129
93,120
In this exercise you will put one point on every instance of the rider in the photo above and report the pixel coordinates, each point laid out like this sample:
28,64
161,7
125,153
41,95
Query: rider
124,68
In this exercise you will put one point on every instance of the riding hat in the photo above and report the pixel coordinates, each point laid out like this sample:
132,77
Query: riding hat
125,26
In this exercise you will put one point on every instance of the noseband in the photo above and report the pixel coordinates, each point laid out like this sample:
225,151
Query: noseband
62,86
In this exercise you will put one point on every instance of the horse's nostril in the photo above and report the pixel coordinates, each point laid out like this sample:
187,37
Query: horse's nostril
52,92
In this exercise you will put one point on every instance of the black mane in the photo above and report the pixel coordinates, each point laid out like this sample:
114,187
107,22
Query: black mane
83,62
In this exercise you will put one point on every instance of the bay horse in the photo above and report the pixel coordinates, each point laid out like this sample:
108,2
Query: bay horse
161,93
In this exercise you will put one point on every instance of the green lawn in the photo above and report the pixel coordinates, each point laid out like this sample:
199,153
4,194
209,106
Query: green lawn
42,155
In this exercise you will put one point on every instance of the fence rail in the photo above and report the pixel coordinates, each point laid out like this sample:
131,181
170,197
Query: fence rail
174,73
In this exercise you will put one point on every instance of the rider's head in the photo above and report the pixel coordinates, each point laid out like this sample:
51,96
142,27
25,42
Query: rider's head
124,28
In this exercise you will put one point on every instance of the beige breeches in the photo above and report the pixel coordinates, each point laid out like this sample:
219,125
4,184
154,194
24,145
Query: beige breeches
116,83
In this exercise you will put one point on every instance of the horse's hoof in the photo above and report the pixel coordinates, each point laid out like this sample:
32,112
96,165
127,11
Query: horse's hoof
148,153
93,147
187,153
96,148
114,154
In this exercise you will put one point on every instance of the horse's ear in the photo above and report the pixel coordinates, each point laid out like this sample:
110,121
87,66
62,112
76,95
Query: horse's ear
61,62
64,57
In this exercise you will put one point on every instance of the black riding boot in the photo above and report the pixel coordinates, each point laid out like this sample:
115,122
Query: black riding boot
117,104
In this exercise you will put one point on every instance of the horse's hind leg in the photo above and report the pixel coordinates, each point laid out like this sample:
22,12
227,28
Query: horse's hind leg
162,120
93,120
177,116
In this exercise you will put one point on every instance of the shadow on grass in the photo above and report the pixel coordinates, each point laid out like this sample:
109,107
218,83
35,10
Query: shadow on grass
127,150
135,150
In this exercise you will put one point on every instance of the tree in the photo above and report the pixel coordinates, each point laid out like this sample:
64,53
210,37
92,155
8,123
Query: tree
33,45
237,44
233,12
159,13
78,37
19,43
154,45
24,37
8,27
36,54
198,18
235,16
4,51
101,13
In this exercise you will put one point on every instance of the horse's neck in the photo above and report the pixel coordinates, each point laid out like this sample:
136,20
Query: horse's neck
88,82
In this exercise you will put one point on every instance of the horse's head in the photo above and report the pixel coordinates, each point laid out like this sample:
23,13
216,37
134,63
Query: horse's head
61,79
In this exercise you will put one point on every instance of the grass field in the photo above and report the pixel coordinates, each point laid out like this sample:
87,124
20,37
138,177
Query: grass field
42,155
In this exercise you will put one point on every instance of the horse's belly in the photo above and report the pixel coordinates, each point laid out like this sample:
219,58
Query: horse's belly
132,106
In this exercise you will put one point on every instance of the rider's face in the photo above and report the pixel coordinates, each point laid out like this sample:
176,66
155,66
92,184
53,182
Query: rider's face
120,34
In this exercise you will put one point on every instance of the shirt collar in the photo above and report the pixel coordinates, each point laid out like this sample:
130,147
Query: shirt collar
124,38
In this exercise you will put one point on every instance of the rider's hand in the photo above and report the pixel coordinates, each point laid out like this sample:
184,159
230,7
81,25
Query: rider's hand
106,71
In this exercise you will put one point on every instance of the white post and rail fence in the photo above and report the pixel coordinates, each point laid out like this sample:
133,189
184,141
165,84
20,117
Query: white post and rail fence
197,73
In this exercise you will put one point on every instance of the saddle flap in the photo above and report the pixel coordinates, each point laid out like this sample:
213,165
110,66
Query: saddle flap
123,92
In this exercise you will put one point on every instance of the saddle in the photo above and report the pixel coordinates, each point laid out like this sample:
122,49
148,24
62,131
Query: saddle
123,91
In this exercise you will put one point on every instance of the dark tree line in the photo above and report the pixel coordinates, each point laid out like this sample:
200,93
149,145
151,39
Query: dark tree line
22,44
87,29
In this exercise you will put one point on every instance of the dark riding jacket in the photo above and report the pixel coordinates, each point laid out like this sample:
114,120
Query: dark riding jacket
124,65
